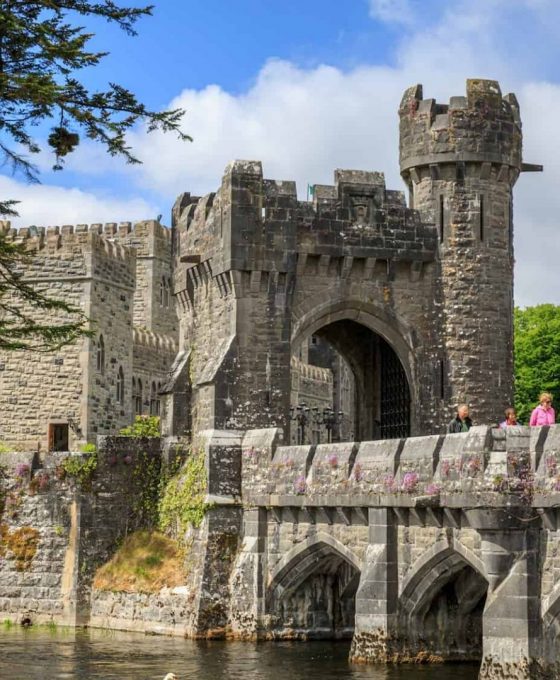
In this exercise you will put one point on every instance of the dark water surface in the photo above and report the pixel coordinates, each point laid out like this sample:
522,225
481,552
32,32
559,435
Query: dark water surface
45,655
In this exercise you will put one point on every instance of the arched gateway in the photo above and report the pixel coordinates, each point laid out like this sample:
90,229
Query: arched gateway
260,273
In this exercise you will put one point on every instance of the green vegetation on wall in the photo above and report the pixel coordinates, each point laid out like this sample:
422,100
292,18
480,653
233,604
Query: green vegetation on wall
183,501
81,468
143,426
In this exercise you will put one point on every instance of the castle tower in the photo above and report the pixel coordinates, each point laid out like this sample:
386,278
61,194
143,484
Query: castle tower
460,162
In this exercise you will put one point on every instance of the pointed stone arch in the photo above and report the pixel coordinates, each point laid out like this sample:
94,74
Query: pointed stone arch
428,569
380,350
442,601
299,562
312,591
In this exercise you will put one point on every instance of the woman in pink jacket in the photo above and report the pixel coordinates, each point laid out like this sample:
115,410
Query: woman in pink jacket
544,413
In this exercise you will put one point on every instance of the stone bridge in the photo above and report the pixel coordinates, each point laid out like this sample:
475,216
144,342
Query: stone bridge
436,548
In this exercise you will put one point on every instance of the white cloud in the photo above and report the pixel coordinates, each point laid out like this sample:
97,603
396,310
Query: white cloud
392,11
45,205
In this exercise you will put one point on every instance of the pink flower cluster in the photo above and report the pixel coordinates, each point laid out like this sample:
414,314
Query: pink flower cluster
332,460
300,485
410,482
358,473
432,489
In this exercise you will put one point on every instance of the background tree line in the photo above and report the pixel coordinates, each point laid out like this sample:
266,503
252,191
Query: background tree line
537,356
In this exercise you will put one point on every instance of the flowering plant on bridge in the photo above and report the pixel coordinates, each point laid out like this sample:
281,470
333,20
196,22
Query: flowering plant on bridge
332,460
551,466
432,489
300,485
22,471
471,466
446,466
390,483
358,473
410,482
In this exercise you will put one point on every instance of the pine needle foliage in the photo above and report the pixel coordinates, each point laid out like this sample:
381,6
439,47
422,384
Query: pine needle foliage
43,49
26,313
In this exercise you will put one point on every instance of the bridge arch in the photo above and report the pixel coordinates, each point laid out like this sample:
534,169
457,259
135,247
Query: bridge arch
442,600
369,339
311,591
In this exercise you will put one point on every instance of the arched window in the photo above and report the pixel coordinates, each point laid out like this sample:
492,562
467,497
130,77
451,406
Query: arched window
164,291
169,291
158,401
101,355
153,400
120,386
137,396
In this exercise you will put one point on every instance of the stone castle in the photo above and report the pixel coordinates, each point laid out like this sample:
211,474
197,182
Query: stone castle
417,545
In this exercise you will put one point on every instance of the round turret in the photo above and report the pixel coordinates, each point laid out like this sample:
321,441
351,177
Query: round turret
460,161
482,127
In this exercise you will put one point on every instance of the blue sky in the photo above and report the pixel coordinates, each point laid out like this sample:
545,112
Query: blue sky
306,87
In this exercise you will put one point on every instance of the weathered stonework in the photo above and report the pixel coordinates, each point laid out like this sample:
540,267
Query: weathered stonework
113,275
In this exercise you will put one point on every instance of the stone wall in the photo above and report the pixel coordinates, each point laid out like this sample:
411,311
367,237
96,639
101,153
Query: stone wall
56,532
154,306
153,356
165,613
94,268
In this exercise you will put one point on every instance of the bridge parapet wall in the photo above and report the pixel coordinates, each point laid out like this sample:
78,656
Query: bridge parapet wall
486,466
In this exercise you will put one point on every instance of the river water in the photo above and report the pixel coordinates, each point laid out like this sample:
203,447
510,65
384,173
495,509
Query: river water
44,655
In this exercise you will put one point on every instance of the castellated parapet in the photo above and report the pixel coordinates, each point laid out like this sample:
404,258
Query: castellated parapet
481,127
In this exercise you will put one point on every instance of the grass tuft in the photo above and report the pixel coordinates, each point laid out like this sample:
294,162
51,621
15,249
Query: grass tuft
145,563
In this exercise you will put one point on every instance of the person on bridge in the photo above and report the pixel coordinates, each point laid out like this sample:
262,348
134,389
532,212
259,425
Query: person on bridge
543,414
511,418
461,422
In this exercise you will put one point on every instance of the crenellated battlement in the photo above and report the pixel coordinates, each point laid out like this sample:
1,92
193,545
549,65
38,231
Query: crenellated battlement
481,127
312,372
122,234
67,238
240,226
146,338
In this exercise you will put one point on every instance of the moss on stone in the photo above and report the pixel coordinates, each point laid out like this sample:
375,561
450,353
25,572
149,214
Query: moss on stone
22,543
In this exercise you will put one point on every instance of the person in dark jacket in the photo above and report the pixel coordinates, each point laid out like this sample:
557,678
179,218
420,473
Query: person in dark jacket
461,422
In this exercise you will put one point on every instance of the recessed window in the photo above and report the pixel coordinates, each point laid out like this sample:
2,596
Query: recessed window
58,437
164,291
120,386
441,218
153,399
101,355
481,217
137,396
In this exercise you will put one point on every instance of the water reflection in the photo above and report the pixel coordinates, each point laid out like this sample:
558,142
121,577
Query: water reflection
45,655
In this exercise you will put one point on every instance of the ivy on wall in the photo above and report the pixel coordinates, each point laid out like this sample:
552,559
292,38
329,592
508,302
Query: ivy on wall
183,501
